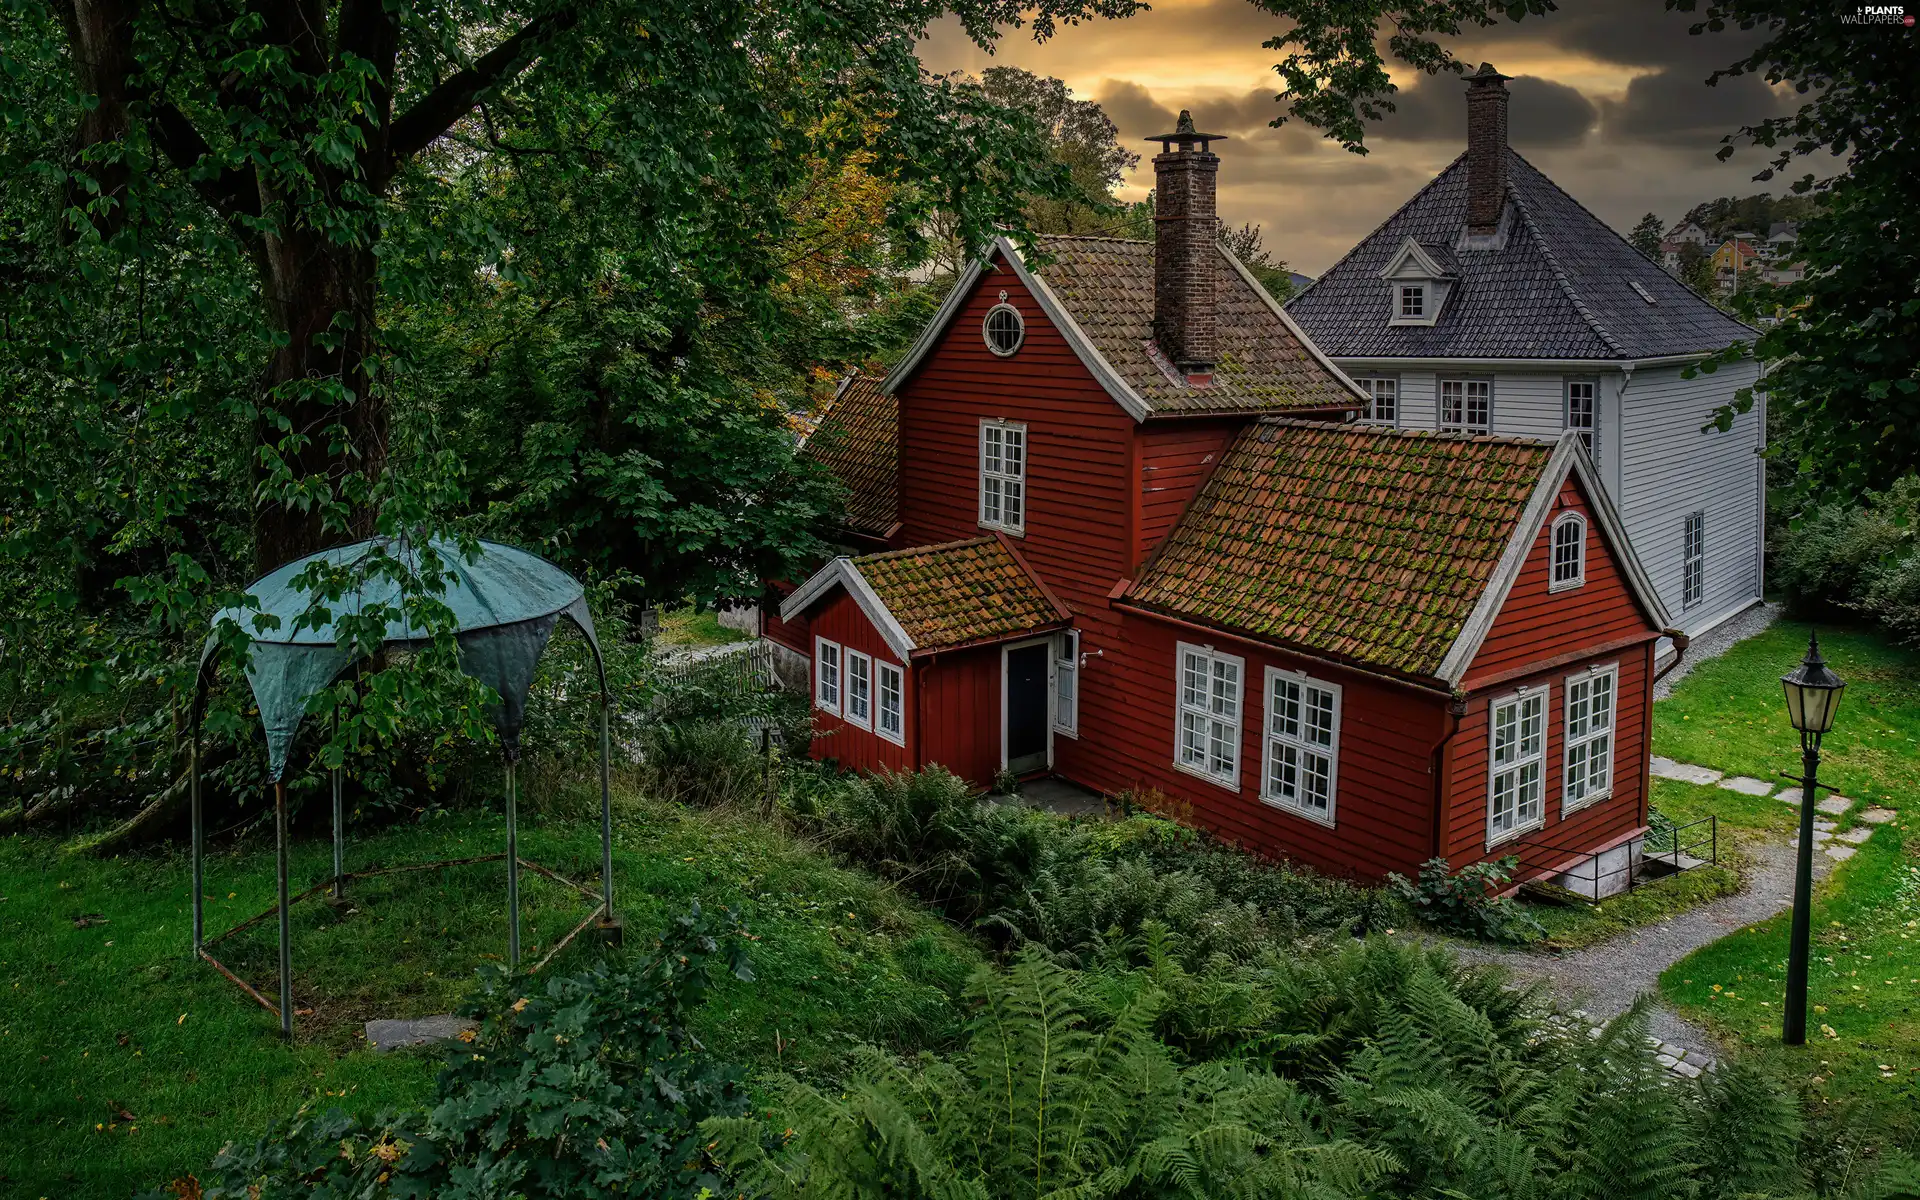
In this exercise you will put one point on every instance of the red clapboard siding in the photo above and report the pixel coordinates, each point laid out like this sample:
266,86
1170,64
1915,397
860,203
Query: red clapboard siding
1078,445
960,720
1605,821
838,618
791,634
1384,799
1536,624
1175,459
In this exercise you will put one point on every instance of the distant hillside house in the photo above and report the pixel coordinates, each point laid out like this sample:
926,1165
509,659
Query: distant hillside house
1493,302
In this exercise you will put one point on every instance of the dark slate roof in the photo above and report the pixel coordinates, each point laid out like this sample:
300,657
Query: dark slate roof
857,440
1265,365
1557,283
960,592
1351,542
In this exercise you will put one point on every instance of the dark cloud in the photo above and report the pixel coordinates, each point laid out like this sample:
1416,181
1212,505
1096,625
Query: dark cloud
1628,33
1541,112
1672,108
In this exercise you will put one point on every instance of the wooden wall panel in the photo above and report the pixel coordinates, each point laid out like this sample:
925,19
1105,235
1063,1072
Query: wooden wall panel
1176,458
960,718
839,619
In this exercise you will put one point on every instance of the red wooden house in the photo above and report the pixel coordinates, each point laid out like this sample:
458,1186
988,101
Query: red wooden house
1142,542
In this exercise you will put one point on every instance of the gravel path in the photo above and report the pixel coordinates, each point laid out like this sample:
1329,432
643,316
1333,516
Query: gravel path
1605,979
1717,641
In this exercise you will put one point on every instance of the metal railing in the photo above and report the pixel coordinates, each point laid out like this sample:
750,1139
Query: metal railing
1678,847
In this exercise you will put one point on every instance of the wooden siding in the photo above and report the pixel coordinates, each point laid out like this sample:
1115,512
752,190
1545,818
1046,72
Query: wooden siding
1535,623
838,618
791,634
1384,800
959,714
1618,815
1176,457
1672,468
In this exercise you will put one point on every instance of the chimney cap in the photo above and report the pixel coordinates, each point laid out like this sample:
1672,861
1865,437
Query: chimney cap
1184,133
1487,75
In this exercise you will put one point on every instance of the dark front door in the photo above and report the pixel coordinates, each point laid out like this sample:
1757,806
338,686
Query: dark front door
1028,728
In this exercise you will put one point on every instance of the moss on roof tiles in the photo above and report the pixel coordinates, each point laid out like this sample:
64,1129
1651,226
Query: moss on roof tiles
959,592
857,441
1366,544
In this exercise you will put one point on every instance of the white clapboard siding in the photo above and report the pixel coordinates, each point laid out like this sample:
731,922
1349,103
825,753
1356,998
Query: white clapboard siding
1670,468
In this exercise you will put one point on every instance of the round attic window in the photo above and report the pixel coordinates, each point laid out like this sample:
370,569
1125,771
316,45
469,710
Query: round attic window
1003,329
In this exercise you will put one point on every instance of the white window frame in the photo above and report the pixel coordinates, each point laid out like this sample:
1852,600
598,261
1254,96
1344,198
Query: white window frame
1577,699
1465,424
858,669
1279,737
822,668
1019,326
1579,576
1208,711
1066,669
1589,432
1417,292
1004,478
1693,558
1520,760
881,670
1368,384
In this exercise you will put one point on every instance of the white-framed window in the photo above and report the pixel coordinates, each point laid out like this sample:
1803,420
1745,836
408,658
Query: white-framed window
1583,413
1590,707
1693,560
889,710
1569,552
1413,301
1383,399
1003,328
826,675
1207,734
1466,404
1516,763
1066,683
858,707
1003,475
1303,744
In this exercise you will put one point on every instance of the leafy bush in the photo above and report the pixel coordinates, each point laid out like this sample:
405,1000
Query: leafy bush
590,1087
1859,559
701,763
1467,902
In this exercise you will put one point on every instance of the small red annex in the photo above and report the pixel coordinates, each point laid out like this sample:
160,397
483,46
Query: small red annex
1137,538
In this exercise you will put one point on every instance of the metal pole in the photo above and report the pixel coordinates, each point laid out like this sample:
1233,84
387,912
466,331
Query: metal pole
513,874
286,942
199,839
339,837
606,809
1794,1030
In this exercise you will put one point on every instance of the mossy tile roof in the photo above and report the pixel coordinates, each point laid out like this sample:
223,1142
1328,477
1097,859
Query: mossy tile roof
1360,543
857,441
960,592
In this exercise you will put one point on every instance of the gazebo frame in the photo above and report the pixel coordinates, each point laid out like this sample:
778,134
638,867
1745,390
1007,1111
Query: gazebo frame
602,912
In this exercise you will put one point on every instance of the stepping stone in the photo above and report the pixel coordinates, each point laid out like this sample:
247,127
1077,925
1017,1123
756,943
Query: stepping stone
1820,838
1666,768
1835,805
391,1035
1857,834
1747,786
1878,816
1666,1060
1789,796
1841,853
1824,825
1687,1069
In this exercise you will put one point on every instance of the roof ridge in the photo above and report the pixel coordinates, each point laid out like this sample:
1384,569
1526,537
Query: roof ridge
1553,261
1444,435
1375,231
1090,237
932,546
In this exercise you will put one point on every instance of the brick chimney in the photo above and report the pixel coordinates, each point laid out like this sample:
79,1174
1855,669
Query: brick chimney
1185,230
1486,149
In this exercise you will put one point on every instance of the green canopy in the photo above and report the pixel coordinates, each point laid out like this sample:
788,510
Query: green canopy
504,603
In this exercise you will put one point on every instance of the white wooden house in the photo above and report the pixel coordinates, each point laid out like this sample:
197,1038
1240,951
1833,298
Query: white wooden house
1493,301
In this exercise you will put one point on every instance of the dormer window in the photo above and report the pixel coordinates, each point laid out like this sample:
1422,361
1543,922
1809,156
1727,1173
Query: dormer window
1418,277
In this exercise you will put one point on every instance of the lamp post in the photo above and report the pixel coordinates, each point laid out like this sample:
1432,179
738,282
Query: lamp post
1813,693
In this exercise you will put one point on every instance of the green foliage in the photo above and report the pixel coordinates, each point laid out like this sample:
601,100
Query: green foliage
1468,901
1755,214
590,1086
1268,268
1646,235
1855,558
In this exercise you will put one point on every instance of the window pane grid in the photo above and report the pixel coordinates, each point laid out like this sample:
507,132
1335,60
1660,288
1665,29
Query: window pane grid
891,714
859,684
1003,464
1569,551
1383,403
1583,413
1516,784
1466,404
1066,684
1589,771
826,690
1210,714
1694,556
1302,744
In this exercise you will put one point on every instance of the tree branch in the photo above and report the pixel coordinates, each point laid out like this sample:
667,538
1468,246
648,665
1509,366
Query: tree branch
436,112
231,191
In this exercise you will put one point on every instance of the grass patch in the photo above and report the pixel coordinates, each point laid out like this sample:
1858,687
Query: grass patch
687,628
1863,990
123,1064
1685,803
1575,924
1729,713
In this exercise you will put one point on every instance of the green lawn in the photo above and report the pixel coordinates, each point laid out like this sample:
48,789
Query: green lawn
1863,1067
123,1064
688,628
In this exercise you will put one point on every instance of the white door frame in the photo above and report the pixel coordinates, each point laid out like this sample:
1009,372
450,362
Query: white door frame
1051,684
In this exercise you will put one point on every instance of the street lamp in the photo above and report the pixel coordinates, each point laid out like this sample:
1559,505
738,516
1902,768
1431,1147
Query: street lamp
1813,693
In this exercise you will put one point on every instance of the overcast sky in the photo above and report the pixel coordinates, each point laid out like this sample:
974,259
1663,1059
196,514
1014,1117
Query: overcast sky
1609,100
